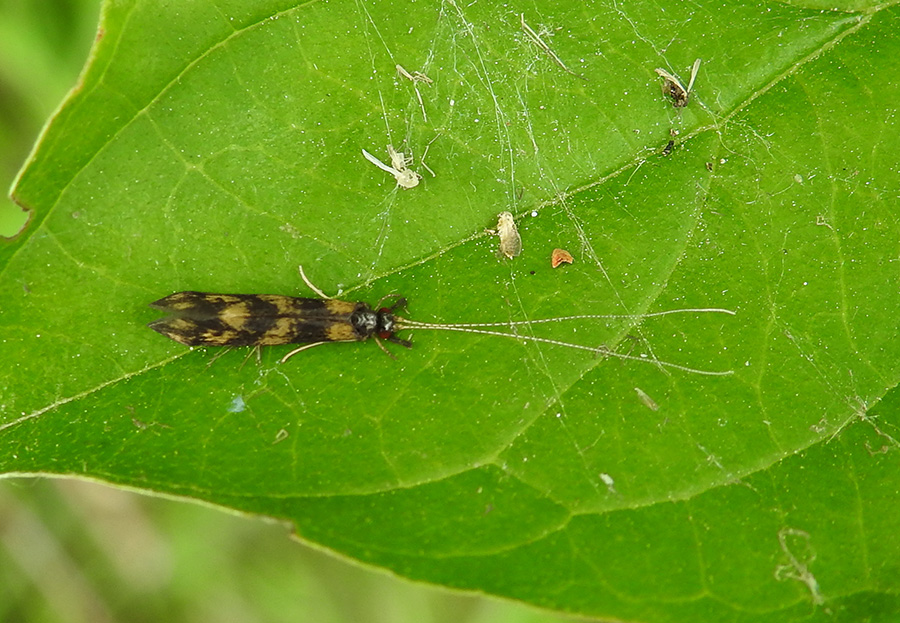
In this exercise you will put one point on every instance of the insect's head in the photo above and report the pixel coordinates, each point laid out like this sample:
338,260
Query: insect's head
386,325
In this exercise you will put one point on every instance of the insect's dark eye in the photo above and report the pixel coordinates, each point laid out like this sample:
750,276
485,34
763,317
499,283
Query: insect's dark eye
385,335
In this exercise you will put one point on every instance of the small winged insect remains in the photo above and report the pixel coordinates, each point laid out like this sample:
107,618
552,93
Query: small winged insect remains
416,77
673,88
510,240
646,399
203,319
536,39
399,168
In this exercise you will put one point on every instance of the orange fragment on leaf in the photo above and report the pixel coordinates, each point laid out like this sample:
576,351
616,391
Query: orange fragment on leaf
560,256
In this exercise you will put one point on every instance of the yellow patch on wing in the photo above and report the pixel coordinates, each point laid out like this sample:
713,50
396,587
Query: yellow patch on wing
341,332
235,315
343,308
181,301
280,333
218,338
284,305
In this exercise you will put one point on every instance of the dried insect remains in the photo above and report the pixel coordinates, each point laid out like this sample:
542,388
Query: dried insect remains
510,240
536,39
399,168
673,88
416,77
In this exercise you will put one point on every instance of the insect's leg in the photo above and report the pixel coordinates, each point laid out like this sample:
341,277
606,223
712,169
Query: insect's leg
382,347
297,350
310,284
400,304
258,351
400,341
217,355
425,154
402,71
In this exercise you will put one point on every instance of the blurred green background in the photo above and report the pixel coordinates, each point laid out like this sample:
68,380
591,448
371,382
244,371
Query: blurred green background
75,551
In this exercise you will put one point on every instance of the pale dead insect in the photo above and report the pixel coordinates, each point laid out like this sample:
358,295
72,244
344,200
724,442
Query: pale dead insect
416,76
799,561
399,168
510,240
536,39
560,256
673,88
646,399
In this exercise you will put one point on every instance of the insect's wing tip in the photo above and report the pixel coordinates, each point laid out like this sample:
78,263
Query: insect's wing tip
163,327
181,330
176,301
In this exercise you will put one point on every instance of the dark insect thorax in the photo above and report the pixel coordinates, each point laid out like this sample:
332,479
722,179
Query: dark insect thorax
368,322
364,321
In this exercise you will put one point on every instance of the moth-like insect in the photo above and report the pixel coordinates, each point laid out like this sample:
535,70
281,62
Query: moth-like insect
205,319
673,88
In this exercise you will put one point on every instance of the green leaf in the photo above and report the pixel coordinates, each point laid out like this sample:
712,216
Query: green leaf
216,147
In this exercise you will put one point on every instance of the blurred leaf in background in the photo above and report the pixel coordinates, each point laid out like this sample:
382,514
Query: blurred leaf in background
43,46
73,552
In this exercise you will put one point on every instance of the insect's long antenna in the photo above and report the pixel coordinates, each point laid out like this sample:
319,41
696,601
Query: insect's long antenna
403,323
410,324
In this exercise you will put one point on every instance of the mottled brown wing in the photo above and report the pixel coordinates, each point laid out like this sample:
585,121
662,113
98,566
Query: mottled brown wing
205,319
